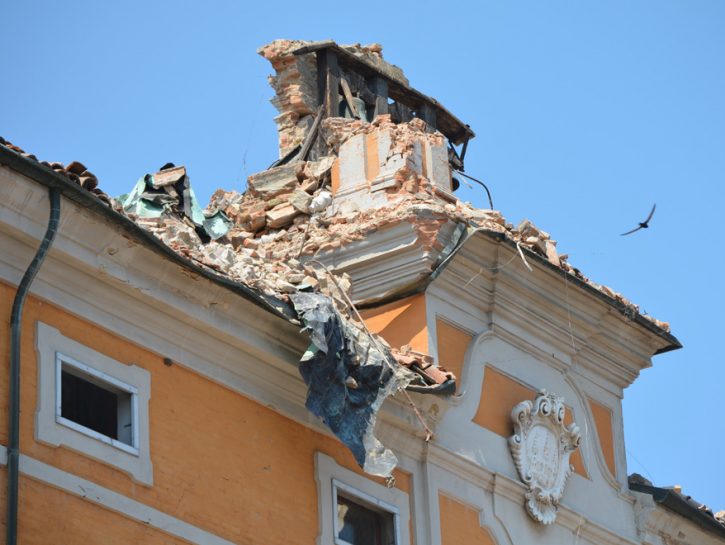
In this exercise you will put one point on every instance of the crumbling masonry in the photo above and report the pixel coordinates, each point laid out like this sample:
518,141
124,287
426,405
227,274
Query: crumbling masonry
360,151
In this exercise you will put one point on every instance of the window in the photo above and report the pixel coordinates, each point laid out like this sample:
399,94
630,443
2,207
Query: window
93,404
361,522
96,404
355,510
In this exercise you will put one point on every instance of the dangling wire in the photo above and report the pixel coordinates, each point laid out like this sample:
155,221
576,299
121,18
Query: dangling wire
490,200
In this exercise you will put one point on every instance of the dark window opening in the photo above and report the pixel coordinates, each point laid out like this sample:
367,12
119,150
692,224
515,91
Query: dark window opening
359,524
95,404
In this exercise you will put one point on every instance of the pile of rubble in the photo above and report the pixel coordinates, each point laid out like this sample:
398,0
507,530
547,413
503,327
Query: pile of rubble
268,237
288,215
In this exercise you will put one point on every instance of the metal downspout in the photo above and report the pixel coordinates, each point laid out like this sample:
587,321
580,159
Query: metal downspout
14,401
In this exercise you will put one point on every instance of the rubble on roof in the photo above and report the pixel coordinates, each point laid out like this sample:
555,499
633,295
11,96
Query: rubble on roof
169,193
289,214
267,237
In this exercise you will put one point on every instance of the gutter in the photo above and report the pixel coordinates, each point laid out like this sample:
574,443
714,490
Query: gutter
674,501
16,325
49,178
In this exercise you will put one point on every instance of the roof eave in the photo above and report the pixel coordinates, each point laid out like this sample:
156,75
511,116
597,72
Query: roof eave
674,502
673,343
49,178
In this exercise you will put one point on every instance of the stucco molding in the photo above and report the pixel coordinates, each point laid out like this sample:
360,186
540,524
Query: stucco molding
393,258
541,447
556,314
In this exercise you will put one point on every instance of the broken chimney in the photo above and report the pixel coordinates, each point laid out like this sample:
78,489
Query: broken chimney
385,139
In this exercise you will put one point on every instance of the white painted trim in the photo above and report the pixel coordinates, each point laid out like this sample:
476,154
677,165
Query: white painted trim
55,349
99,495
329,476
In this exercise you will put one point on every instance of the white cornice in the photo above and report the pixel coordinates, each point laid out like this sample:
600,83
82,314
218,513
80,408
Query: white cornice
570,324
389,260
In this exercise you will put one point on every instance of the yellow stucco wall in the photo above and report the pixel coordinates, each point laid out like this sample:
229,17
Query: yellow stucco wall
401,322
603,423
221,461
460,524
452,345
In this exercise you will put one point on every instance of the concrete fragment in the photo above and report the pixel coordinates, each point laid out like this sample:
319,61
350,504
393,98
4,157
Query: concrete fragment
218,256
167,177
309,185
237,238
281,216
551,253
317,169
272,182
257,219
301,200
309,282
295,278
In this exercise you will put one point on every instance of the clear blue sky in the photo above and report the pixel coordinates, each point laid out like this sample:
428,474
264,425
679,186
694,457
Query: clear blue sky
586,113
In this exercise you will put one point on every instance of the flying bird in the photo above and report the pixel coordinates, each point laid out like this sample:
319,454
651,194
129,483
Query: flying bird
645,223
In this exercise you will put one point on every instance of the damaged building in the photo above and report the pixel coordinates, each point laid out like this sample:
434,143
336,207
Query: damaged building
343,353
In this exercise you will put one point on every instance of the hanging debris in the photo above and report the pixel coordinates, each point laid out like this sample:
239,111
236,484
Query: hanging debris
359,151
347,379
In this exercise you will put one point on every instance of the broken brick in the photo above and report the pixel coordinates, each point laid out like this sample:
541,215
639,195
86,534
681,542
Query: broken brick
273,182
281,216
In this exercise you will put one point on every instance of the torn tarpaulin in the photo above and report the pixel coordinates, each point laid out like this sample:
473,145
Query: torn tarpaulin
347,378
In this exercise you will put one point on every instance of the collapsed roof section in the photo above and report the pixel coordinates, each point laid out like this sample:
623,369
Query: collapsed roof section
352,163
319,80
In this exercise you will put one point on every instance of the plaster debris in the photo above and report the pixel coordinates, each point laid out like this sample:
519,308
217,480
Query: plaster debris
268,237
348,378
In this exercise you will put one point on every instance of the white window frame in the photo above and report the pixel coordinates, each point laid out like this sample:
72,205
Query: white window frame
332,477
365,500
55,351
61,360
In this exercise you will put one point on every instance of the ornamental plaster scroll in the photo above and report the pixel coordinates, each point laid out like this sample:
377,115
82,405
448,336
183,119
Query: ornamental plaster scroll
541,447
